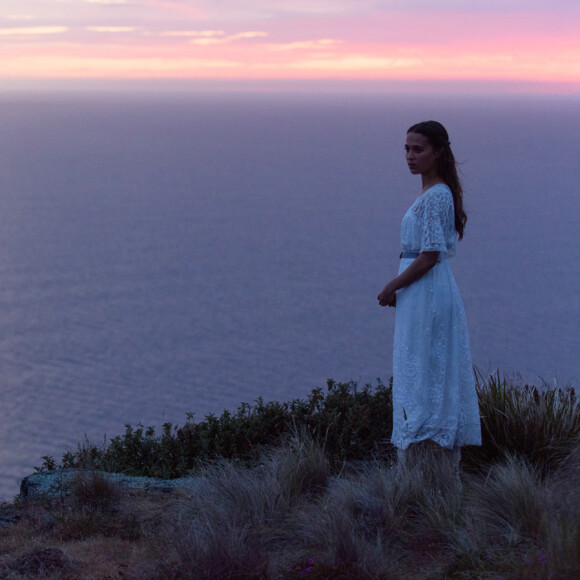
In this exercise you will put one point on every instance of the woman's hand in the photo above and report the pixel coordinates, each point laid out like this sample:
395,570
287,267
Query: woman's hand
388,296
418,268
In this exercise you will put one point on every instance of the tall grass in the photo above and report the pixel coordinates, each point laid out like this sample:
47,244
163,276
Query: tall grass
289,516
521,522
379,521
541,425
370,522
236,520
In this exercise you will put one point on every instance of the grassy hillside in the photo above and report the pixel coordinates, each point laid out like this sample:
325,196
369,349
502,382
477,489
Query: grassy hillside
311,489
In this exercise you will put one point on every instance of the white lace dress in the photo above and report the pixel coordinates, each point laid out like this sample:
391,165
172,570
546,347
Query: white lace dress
433,384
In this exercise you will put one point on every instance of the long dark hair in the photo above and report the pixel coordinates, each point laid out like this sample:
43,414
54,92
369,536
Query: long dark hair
437,136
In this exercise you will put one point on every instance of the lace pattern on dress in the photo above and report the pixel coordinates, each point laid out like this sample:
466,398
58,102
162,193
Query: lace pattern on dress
433,385
429,225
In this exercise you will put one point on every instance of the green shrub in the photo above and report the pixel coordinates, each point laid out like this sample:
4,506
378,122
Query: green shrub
350,423
347,421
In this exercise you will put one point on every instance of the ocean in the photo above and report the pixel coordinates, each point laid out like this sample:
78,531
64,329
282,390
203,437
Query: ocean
166,254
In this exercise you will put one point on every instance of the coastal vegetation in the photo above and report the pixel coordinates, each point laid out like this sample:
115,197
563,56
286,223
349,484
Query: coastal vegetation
311,488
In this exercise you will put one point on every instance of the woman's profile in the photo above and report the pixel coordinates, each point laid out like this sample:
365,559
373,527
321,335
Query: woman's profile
434,396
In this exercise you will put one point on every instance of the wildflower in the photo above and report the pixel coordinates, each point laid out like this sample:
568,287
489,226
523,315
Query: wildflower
309,568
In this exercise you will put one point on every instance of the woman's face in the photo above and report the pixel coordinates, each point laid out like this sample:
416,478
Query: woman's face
420,155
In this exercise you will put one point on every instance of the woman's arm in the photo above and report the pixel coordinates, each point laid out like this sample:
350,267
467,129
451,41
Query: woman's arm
417,269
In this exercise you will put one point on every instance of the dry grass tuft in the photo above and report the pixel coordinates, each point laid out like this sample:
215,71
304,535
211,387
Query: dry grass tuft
288,517
370,521
238,518
42,563
95,493
101,539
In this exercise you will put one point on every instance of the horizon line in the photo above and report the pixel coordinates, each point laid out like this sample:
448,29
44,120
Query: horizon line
483,87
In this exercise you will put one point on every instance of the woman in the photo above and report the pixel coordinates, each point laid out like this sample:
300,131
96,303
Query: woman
434,393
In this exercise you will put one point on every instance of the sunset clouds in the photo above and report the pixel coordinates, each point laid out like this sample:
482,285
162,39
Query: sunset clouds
528,40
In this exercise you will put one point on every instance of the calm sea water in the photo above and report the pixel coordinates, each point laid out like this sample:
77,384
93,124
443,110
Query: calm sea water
164,255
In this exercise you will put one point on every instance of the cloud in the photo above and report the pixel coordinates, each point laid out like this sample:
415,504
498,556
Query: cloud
87,66
221,38
209,37
323,43
175,6
461,6
111,28
236,10
33,30
187,33
251,34
353,63
106,1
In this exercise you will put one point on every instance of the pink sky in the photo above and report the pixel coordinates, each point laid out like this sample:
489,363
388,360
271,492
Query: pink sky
455,40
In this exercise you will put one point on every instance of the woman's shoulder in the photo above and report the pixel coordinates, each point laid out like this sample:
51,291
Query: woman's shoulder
439,189
437,199
440,193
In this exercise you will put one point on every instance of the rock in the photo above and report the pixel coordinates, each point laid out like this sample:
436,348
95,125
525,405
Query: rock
7,521
58,482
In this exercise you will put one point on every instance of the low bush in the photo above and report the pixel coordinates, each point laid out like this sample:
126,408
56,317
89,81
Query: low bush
350,423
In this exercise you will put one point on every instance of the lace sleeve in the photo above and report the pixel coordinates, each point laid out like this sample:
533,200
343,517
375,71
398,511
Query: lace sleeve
436,218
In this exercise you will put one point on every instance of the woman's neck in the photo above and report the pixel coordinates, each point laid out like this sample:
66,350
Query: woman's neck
429,181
